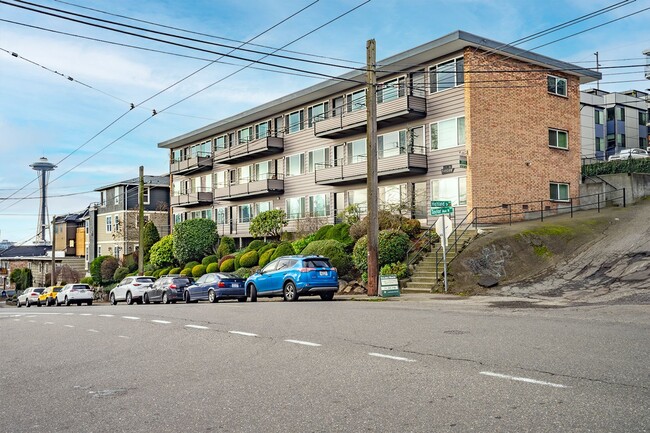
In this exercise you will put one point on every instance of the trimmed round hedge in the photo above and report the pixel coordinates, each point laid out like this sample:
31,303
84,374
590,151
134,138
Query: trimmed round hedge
226,246
249,259
333,250
267,247
185,272
198,271
212,267
175,271
209,259
265,258
255,245
228,265
393,245
284,249
190,265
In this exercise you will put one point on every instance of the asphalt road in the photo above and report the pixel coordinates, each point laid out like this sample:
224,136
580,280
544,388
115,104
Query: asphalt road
421,365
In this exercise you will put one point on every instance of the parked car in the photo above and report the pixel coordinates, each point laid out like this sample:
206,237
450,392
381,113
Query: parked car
130,290
630,153
294,276
167,289
216,286
29,296
48,296
74,294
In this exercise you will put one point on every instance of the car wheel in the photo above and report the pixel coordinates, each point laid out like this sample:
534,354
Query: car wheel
290,293
242,299
129,298
173,302
90,303
253,293
145,298
57,303
17,303
187,297
66,301
165,299
38,303
112,299
212,297
327,296
27,303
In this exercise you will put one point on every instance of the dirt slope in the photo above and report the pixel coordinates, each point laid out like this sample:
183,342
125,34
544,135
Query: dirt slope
592,258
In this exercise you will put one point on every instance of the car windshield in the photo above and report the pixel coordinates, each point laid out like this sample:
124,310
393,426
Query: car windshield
227,276
317,263
181,281
81,287
39,289
145,280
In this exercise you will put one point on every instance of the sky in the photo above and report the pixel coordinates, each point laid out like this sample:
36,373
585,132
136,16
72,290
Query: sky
86,127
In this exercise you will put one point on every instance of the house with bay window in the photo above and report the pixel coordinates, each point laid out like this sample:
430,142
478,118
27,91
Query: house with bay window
461,118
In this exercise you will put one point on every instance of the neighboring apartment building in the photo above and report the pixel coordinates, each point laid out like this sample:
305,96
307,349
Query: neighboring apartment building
70,234
112,224
613,121
461,118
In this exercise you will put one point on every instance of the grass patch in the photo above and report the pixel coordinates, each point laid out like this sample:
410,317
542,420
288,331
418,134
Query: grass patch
549,230
542,251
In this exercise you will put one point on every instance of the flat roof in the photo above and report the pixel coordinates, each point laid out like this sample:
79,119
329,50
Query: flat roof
424,53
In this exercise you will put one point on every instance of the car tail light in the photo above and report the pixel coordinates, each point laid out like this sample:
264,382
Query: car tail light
33,294
172,286
221,284
305,270
73,290
333,270
136,284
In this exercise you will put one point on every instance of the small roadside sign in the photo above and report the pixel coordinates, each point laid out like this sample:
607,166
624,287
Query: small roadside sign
441,210
444,227
388,286
440,203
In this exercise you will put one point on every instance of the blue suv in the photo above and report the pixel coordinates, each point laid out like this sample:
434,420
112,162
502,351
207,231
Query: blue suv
294,276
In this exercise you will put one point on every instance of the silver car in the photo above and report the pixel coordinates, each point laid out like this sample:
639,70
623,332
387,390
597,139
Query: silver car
130,289
29,297
630,153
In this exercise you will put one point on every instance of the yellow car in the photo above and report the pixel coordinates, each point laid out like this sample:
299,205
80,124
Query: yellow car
49,295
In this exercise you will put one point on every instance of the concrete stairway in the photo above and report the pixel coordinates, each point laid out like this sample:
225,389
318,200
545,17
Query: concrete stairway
424,278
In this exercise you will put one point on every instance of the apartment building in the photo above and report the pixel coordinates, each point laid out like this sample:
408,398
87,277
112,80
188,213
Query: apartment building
462,118
112,224
613,121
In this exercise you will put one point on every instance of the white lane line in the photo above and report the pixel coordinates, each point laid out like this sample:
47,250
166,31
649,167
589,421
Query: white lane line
304,343
247,334
16,320
68,314
130,317
93,330
106,315
32,321
30,317
395,358
48,323
69,326
85,314
123,336
164,322
196,327
523,379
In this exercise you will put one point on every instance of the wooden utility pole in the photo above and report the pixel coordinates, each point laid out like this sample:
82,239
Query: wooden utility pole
371,157
141,222
53,270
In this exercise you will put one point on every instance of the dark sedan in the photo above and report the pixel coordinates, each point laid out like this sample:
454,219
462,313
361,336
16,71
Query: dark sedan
167,289
216,286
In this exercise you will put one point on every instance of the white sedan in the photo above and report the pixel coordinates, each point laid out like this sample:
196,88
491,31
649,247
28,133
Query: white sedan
630,154
29,296
131,289
75,294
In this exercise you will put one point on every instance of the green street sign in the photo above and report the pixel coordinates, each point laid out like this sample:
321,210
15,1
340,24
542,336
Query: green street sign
441,210
440,203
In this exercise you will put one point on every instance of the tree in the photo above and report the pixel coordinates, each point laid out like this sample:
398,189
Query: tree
22,278
108,268
69,275
268,223
194,239
162,252
151,236
96,269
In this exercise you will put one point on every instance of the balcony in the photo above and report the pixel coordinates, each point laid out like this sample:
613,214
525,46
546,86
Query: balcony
404,164
398,110
191,165
190,199
250,150
258,188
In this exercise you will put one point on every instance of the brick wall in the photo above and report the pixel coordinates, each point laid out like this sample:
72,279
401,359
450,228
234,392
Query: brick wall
508,115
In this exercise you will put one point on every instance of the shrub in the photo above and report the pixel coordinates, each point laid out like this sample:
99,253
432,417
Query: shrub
191,264
332,249
150,237
164,271
209,259
226,246
351,214
393,245
300,244
386,221
224,258
255,245
95,269
284,249
411,227
131,261
265,258
185,272
88,280
174,271
266,247
198,271
341,232
194,239
228,265
321,232
162,252
243,272
108,268
120,274
249,259
400,269
212,267
268,223
156,273
237,257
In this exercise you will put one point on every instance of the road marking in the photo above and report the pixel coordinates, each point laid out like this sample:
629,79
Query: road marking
123,336
68,314
130,317
247,334
32,321
164,322
30,317
16,320
93,330
304,343
69,326
85,314
106,315
48,323
196,327
396,358
523,379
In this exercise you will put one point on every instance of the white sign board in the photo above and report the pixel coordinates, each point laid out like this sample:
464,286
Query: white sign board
444,228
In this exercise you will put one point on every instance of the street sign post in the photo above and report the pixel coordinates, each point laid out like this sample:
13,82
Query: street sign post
440,203
441,210
444,225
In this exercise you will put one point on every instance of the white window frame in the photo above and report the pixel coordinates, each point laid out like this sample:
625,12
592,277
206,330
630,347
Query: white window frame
458,197
552,85
311,118
245,138
145,195
240,217
262,206
456,71
287,162
300,201
217,140
363,205
554,134
267,125
293,127
557,186
352,101
116,222
314,205
311,161
460,132
221,214
109,223
116,193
